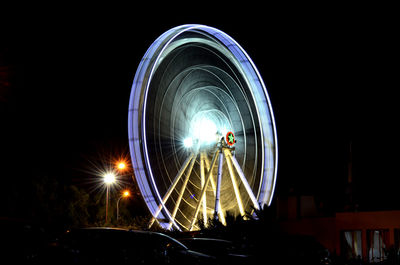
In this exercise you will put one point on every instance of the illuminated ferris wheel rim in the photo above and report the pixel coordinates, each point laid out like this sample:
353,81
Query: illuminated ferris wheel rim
139,99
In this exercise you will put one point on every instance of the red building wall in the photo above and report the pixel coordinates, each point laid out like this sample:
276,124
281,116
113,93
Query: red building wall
327,229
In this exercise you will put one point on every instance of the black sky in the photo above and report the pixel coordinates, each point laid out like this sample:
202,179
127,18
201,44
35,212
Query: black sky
327,74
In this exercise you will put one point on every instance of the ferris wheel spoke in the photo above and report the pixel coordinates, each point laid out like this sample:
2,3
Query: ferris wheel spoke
244,181
182,191
203,191
220,212
172,187
234,183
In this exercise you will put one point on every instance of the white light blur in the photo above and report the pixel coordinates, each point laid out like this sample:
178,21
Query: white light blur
204,130
109,178
188,142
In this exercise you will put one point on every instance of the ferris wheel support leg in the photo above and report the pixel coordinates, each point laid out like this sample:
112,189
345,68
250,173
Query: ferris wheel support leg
204,189
182,191
220,212
172,187
244,180
234,183
202,178
218,191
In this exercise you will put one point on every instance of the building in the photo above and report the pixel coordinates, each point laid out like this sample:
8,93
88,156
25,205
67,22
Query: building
372,236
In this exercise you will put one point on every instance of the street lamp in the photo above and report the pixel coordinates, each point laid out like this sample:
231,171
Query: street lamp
109,179
125,194
121,166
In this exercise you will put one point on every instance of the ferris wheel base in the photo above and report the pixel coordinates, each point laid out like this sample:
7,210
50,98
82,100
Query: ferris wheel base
222,152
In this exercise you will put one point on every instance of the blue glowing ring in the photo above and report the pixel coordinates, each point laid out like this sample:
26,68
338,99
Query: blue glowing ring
138,105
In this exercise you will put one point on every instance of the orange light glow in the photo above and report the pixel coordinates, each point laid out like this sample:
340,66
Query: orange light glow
121,165
126,193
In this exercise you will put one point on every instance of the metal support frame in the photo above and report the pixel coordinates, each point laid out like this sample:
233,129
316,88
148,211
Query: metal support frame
204,189
171,188
220,212
206,176
218,190
202,179
182,191
234,183
244,181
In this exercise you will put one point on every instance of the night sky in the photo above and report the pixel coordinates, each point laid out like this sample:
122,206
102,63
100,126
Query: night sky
69,73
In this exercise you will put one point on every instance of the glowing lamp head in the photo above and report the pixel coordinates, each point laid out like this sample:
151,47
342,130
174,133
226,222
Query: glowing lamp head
121,165
126,194
109,178
188,142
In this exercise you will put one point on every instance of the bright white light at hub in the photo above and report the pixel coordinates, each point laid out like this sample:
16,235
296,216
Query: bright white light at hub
188,142
205,131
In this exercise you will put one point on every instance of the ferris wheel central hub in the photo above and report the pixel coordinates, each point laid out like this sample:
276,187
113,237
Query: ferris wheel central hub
205,129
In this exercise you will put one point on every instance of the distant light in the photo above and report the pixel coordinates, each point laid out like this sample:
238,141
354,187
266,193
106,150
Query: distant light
121,165
188,142
126,193
109,178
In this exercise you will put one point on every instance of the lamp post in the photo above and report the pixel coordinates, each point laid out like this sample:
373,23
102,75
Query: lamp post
108,178
125,194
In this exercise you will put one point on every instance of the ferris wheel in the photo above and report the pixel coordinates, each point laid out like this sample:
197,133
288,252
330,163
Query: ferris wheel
202,133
